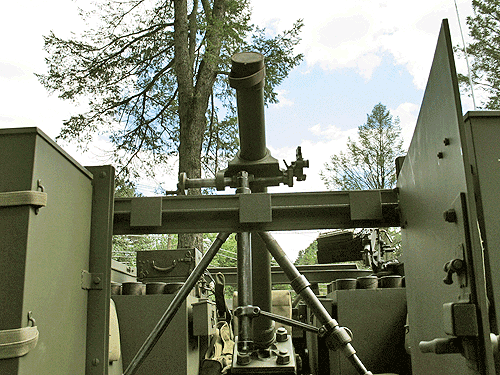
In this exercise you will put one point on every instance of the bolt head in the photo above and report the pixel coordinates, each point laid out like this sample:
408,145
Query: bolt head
283,357
450,216
281,334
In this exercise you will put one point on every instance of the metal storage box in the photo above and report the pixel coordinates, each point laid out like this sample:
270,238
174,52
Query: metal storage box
166,265
44,251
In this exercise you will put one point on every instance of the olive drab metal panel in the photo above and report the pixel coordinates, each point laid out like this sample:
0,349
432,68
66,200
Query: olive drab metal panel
437,217
482,129
43,252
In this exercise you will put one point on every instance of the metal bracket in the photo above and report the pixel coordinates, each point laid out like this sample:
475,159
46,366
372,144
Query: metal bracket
91,281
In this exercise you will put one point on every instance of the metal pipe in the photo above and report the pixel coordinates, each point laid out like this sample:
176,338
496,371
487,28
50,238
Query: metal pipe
337,336
244,291
245,341
263,327
174,306
247,77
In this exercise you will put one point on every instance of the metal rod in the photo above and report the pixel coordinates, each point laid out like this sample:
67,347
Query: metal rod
263,327
174,306
302,287
245,336
244,291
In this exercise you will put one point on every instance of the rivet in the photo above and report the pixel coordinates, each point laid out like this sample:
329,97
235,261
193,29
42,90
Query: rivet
102,175
95,361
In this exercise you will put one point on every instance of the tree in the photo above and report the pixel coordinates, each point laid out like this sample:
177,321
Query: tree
484,29
153,72
309,255
369,164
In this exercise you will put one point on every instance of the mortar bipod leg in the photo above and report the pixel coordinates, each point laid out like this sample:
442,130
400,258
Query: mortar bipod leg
176,303
336,337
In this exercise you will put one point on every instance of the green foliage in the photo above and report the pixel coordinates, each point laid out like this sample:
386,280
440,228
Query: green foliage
484,29
369,163
226,256
127,69
308,255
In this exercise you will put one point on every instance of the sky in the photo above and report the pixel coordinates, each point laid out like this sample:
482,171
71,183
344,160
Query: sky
357,54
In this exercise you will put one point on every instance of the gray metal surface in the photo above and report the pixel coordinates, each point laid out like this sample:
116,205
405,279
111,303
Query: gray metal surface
431,182
175,353
43,255
220,213
482,130
376,318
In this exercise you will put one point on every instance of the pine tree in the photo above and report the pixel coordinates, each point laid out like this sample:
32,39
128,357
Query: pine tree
484,29
369,163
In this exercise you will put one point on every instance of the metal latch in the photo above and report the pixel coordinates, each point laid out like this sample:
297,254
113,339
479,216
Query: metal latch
91,281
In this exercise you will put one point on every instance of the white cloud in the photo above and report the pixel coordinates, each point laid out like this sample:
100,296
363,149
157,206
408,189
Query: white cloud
357,33
408,114
283,100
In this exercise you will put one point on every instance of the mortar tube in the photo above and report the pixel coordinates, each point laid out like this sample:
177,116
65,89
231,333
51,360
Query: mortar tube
247,77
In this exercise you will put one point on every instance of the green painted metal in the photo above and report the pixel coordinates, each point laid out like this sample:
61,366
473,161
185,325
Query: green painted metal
317,273
377,319
297,211
482,129
434,179
44,254
175,353
100,263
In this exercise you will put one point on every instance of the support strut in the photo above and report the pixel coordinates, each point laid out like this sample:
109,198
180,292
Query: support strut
335,336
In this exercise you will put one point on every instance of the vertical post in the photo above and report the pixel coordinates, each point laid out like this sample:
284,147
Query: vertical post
101,233
245,342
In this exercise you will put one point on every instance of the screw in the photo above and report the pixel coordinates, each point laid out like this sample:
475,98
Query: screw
450,216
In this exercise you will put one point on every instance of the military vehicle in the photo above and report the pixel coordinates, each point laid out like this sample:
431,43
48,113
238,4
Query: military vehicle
67,308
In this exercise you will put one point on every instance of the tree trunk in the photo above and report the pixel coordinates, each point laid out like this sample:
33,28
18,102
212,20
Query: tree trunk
193,98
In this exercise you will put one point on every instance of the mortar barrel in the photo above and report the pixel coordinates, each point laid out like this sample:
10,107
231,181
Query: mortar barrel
247,77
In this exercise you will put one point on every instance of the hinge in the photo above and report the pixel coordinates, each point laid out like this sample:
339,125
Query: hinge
91,281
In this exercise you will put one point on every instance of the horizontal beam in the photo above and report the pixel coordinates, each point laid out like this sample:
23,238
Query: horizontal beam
318,273
276,212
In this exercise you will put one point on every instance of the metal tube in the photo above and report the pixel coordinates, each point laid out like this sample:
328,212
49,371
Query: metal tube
263,327
247,77
245,341
174,306
310,298
244,291
292,273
